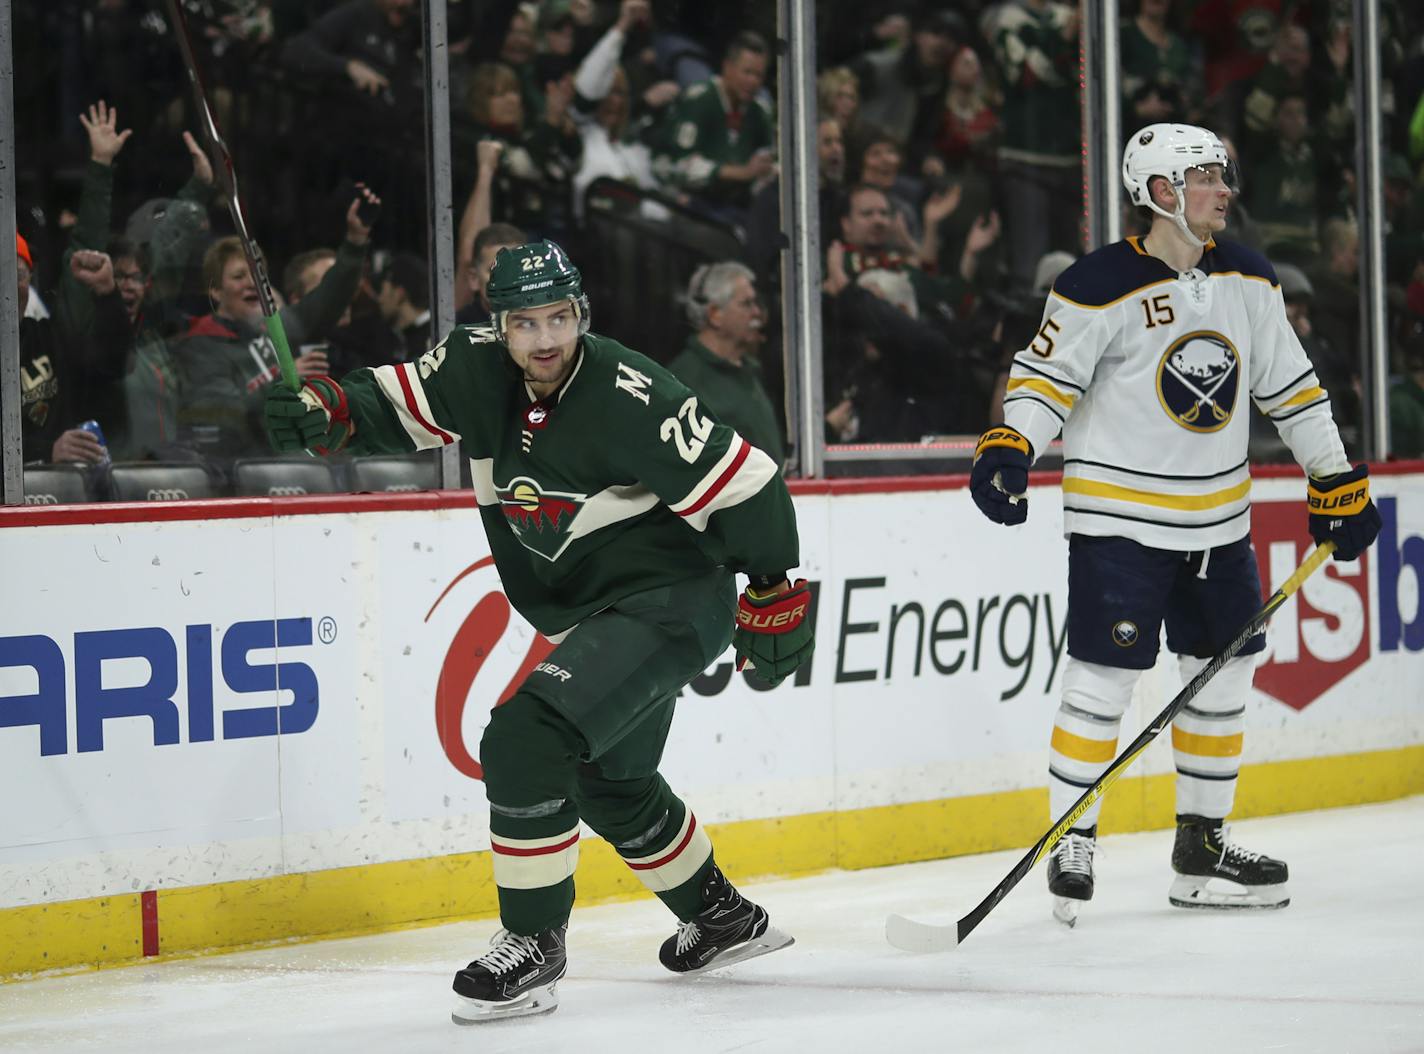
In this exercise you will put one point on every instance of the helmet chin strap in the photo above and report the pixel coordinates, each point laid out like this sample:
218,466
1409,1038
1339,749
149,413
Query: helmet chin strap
1178,217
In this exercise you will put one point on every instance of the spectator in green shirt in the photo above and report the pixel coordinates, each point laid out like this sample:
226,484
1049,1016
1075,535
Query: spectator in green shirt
720,135
719,362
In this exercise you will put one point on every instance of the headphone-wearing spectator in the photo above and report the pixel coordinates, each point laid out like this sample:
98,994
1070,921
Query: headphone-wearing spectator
719,361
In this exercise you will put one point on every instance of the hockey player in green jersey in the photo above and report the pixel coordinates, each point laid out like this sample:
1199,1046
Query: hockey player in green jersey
617,510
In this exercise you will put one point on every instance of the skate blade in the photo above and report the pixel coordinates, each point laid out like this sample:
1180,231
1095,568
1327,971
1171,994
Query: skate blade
770,941
1220,894
477,1011
1065,910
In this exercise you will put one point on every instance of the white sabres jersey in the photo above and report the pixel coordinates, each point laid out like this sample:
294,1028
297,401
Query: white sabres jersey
1147,374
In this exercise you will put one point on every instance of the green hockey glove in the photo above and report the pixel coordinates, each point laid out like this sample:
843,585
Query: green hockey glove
773,633
316,419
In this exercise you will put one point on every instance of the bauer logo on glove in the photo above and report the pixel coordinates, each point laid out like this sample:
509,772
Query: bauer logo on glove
1341,512
773,634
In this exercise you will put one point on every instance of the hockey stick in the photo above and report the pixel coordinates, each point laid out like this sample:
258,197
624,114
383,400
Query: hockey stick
227,179
912,936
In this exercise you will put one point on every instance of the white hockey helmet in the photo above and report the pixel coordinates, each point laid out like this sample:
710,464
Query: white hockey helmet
1168,150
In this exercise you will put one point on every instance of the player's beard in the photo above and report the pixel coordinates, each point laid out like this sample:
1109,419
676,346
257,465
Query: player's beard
559,368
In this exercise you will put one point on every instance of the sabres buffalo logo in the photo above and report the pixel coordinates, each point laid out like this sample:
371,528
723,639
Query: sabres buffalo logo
1124,634
539,518
1198,381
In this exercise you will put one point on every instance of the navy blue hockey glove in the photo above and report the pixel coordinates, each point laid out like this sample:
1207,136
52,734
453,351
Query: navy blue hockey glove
773,632
999,478
1341,512
317,418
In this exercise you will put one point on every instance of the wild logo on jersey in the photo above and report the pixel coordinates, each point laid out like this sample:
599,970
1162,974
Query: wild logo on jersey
541,519
1198,380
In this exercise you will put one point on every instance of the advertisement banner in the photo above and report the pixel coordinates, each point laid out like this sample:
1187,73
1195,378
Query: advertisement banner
202,701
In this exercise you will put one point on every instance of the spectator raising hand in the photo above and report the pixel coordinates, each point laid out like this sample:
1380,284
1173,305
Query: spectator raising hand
358,228
202,165
93,269
105,140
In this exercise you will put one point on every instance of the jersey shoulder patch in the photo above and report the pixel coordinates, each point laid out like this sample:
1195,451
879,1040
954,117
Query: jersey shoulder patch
1233,256
625,370
478,333
696,91
1109,274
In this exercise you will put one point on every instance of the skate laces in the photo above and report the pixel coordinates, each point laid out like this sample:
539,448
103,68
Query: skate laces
687,935
510,949
1075,853
1231,851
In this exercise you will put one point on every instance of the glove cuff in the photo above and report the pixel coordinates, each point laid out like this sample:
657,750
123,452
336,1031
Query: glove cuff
1003,436
331,399
1341,495
777,614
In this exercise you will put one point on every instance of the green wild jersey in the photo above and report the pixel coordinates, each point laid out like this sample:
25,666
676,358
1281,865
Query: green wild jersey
620,481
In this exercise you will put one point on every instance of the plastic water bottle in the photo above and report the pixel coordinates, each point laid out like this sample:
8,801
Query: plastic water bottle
92,427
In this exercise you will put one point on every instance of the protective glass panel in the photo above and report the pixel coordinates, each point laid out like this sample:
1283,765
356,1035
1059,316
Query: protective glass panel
1279,93
144,357
962,191
1403,69
642,139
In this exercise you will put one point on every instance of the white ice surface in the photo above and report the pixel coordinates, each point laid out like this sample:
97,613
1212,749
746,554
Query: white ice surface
1340,970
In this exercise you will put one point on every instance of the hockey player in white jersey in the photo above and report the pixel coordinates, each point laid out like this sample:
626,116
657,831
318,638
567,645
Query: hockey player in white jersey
1148,353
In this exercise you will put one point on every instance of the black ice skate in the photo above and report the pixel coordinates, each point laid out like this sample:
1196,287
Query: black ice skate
729,930
1070,873
515,978
1213,872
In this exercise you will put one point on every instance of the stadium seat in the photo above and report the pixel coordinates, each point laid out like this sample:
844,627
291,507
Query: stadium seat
277,477
56,485
160,481
395,473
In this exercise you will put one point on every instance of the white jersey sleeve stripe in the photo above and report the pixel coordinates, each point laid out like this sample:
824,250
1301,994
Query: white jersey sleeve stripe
738,475
405,394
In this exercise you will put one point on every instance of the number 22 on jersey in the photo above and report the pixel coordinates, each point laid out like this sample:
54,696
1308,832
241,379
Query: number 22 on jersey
673,431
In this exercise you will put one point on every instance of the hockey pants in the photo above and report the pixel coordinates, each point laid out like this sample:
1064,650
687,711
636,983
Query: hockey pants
581,741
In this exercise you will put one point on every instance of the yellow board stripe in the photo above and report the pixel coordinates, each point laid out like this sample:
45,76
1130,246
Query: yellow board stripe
1303,397
1183,502
342,902
1080,748
1043,387
1206,746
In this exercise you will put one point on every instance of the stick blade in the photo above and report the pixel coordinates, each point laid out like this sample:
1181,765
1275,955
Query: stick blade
922,937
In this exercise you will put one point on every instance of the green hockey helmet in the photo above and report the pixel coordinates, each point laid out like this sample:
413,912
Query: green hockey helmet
534,275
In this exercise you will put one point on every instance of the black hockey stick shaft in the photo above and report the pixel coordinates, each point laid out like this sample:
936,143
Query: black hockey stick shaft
1045,845
227,179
